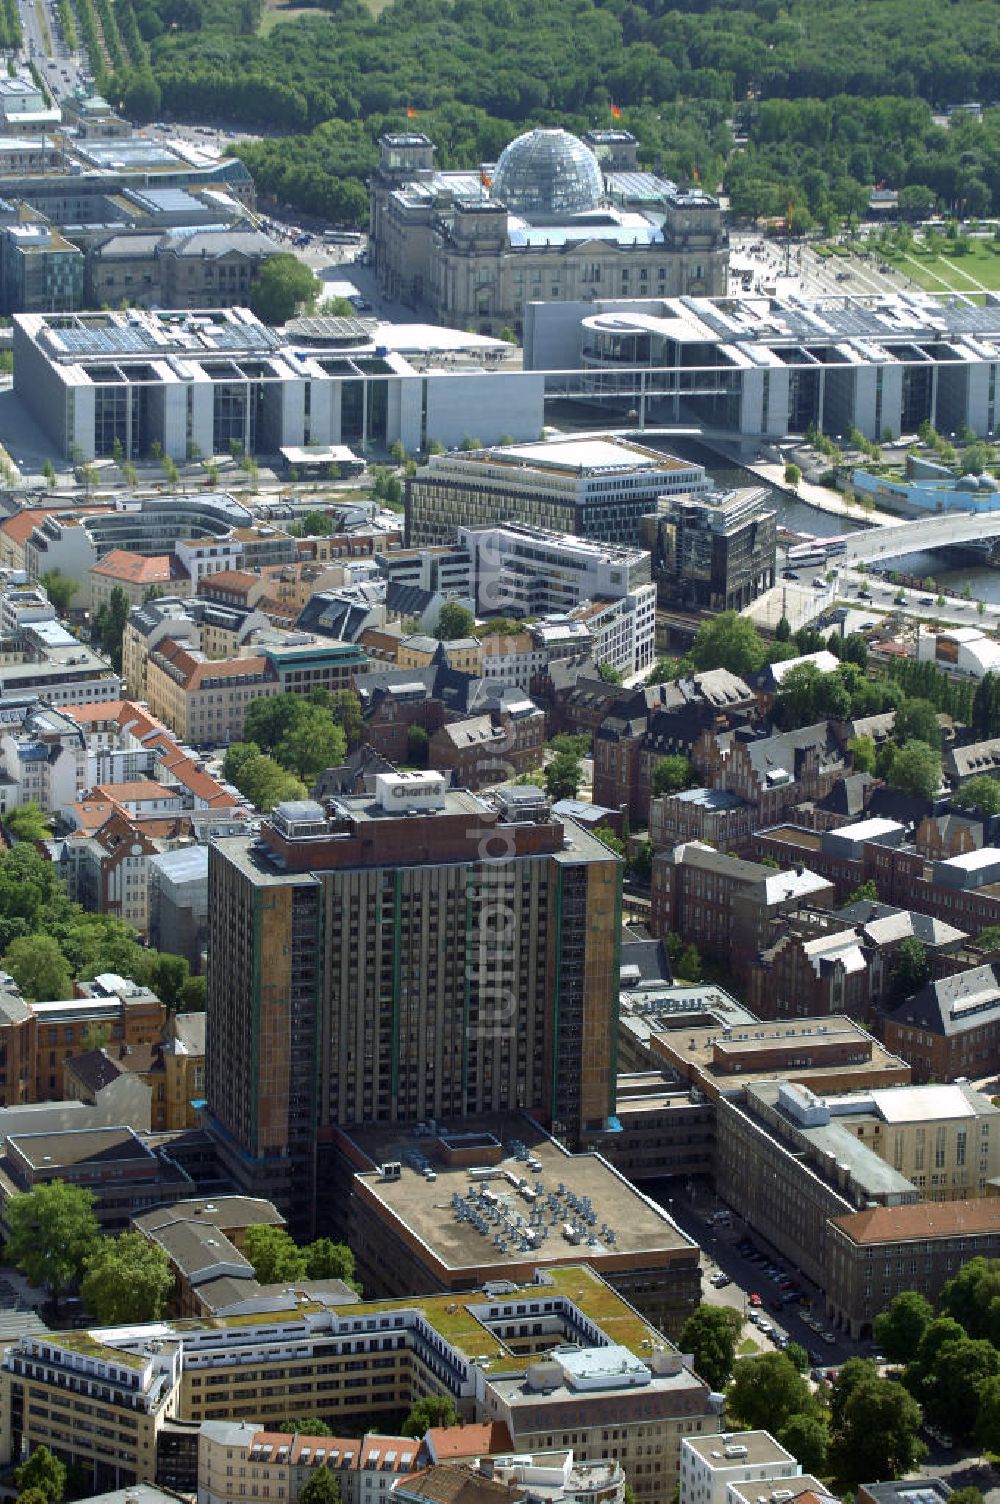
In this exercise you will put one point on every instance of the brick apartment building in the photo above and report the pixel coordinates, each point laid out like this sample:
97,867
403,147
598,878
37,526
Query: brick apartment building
36,1039
438,696
962,888
951,1027
668,720
724,905
490,748
820,963
714,816
772,773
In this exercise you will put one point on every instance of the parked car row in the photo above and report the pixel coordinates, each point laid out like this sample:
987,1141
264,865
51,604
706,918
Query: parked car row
788,1290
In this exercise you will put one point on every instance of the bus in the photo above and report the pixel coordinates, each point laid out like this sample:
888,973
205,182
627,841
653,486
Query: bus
816,551
342,237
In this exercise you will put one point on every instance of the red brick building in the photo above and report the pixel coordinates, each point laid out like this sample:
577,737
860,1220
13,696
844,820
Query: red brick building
668,720
726,906
772,773
487,749
951,1027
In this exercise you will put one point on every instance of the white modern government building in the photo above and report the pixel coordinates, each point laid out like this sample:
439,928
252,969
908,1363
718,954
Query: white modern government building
760,368
751,370
196,382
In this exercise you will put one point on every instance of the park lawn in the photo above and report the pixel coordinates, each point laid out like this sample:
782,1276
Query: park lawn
982,262
937,270
277,11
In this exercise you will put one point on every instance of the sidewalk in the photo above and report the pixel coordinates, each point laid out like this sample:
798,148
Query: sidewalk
819,497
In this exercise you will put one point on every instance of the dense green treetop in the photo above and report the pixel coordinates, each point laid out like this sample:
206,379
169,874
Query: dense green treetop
432,1410
53,1232
284,286
767,1391
43,1473
711,1334
830,99
672,774
901,1325
982,793
127,1279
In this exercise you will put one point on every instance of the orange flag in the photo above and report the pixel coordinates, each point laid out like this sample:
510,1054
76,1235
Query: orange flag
616,113
411,113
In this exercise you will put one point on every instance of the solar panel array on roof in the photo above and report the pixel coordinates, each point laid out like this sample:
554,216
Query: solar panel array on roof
331,327
883,318
108,339
152,335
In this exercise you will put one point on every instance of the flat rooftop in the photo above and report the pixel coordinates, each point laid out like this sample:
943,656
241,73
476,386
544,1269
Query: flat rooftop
836,1045
795,835
465,1322
881,319
48,1151
761,1449
551,542
512,1200
919,1104
586,455
656,1008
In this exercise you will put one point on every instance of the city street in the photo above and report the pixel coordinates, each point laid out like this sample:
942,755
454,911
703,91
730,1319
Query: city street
720,1252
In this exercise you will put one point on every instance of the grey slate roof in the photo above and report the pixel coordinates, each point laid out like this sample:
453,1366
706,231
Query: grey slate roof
974,759
954,1004
885,923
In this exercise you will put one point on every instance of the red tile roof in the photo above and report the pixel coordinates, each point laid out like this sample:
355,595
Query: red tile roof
924,1219
193,670
20,527
91,814
137,569
135,791
232,581
481,1440
129,716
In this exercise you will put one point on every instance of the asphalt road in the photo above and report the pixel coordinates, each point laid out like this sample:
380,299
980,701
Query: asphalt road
882,596
720,1252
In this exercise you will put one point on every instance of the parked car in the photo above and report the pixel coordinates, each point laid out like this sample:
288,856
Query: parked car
720,1280
755,1299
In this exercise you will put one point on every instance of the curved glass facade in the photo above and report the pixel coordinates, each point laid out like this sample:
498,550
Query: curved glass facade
548,173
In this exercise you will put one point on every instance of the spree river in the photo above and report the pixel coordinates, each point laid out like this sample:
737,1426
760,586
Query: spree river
950,575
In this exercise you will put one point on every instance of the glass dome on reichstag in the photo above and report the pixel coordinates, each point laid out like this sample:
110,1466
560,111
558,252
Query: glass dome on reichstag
548,172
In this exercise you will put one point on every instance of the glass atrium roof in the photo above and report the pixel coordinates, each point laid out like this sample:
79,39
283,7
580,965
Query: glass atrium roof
548,173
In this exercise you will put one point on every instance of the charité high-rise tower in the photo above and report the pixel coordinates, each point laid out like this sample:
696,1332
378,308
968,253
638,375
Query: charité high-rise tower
415,953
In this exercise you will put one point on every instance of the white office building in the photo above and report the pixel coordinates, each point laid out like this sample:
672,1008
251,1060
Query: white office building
761,368
709,1464
119,381
526,571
